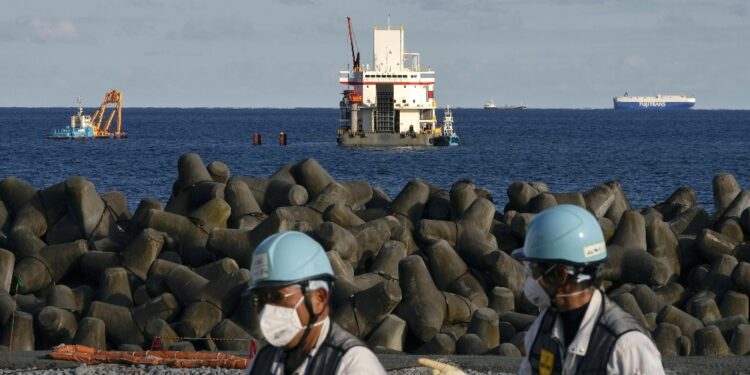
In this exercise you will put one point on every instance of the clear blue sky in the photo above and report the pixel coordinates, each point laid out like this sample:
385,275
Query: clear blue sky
286,53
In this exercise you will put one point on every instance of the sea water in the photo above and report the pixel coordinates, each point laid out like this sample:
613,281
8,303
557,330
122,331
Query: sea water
650,153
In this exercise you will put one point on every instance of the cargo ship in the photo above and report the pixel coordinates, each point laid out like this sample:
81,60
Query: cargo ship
512,106
654,102
391,103
491,105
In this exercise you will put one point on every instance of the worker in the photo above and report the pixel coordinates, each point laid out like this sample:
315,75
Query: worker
291,279
581,331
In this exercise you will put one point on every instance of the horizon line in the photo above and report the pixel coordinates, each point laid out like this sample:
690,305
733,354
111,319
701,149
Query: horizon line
335,108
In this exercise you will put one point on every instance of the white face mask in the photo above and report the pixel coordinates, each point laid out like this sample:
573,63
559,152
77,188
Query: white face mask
535,293
280,324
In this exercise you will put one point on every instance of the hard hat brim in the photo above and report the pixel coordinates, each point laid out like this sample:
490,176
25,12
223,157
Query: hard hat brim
282,283
523,258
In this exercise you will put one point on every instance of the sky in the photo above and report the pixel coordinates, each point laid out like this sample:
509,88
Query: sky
287,53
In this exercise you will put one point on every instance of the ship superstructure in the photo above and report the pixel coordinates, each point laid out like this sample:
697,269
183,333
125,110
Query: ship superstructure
392,102
654,102
81,126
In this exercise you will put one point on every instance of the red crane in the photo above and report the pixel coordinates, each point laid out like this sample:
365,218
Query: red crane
355,60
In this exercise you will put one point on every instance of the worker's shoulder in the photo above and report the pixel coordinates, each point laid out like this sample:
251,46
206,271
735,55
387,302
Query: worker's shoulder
342,339
635,353
360,360
618,321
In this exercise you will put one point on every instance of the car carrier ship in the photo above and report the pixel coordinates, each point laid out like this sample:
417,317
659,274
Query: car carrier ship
392,102
654,102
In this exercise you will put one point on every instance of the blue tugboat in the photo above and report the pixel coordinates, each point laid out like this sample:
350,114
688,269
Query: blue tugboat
448,136
81,127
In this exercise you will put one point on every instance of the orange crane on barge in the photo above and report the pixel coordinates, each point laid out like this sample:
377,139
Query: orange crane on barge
112,97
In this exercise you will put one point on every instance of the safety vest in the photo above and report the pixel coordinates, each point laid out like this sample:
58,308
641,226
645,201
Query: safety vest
326,359
547,356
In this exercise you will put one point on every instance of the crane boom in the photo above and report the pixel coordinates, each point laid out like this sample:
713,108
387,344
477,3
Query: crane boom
355,60
102,131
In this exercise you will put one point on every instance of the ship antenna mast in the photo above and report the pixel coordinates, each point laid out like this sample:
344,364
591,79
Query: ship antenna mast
355,60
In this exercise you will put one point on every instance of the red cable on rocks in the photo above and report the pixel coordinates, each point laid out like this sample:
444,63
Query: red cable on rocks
91,356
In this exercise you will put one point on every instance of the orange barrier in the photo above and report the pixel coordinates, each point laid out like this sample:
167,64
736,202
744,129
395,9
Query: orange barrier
91,356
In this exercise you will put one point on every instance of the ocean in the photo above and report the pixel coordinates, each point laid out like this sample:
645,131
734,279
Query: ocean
651,153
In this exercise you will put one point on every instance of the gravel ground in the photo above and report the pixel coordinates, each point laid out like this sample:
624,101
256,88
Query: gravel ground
34,363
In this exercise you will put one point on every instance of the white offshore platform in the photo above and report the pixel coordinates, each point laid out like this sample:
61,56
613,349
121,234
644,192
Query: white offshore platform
392,102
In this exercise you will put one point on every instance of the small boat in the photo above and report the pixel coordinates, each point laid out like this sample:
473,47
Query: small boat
81,127
448,136
490,104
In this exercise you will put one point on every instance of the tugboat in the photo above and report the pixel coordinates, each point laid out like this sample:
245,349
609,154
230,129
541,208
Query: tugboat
81,127
448,136
390,104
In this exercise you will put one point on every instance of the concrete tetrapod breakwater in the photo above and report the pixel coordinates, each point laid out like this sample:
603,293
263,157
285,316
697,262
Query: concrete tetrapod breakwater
425,272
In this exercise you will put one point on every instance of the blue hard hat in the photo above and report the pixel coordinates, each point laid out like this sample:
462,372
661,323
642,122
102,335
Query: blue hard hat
565,234
288,258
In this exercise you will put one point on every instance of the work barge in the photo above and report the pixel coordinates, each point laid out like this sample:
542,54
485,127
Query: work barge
392,102
93,127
